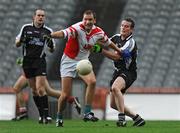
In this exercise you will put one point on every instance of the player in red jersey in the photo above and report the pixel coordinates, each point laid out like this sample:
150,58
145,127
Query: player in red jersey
80,39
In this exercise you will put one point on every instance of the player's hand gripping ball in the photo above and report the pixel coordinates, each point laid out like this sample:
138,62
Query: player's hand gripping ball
84,67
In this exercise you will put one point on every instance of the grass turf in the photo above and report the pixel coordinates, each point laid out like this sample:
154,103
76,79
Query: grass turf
79,126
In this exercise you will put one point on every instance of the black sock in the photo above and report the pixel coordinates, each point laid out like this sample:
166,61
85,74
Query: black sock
121,117
44,102
38,104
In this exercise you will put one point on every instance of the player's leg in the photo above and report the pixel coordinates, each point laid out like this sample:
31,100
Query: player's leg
21,110
138,120
36,97
43,98
32,84
76,103
90,81
112,102
50,91
117,86
66,83
56,93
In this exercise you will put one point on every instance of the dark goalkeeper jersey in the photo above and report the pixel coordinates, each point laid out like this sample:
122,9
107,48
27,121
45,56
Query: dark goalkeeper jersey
34,46
130,44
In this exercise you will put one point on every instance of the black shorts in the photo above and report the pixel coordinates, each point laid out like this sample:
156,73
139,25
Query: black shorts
34,67
128,76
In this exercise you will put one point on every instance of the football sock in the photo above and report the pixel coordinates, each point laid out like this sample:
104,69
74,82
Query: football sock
59,116
121,117
38,104
87,109
44,102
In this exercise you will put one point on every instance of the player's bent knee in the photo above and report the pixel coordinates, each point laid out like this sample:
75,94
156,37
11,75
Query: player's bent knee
114,89
92,82
64,96
41,92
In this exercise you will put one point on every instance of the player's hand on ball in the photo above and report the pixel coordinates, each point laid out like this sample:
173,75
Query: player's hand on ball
96,48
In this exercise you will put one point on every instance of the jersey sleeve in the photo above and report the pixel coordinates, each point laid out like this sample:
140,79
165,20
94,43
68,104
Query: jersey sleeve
129,45
70,31
103,38
107,41
20,33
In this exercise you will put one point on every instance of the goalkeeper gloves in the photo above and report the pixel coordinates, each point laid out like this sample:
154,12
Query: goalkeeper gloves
49,41
47,37
96,48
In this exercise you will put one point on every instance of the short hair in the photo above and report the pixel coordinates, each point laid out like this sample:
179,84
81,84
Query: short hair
37,10
131,21
88,12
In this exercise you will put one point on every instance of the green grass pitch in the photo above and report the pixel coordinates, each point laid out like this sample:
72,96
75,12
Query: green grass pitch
79,126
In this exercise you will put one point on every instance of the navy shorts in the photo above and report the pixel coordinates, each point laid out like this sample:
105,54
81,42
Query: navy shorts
128,76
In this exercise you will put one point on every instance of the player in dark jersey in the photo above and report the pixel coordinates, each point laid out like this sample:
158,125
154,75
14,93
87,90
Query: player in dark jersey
125,71
34,62
21,105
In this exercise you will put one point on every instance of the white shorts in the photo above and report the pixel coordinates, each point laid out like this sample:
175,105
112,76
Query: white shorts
68,67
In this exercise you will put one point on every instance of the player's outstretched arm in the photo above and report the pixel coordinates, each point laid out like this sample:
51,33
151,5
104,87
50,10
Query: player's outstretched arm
108,53
57,34
111,54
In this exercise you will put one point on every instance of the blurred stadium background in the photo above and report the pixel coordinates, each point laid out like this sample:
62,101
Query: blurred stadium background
157,34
